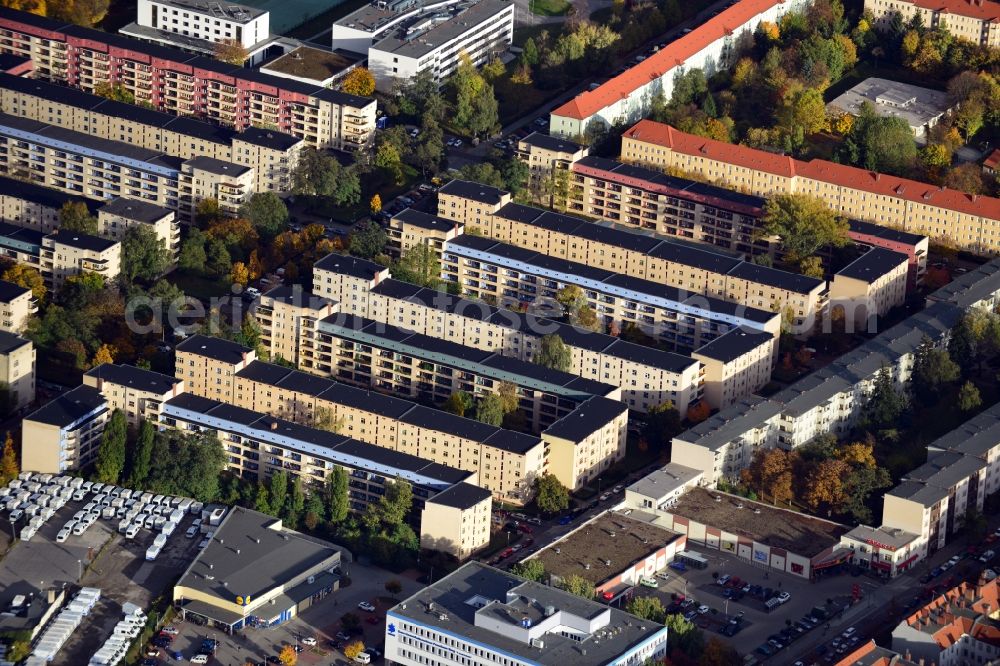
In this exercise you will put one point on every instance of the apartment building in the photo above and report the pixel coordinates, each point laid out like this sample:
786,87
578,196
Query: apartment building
17,304
869,287
587,441
691,267
119,215
648,377
545,154
197,25
411,227
970,222
956,628
257,445
513,276
64,434
138,393
641,198
711,47
185,84
914,246
403,39
68,253
210,178
287,318
270,153
25,204
346,280
384,358
17,370
972,20
887,551
490,616
735,365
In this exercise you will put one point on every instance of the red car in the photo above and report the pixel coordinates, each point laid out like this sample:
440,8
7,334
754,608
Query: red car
506,552
373,619
524,528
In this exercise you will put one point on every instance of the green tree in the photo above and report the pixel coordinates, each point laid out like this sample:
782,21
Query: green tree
266,212
578,585
111,453
116,92
395,504
278,492
187,464
932,369
648,608
141,456
315,511
532,569
192,256
476,108
219,261
484,173
858,487
885,404
28,277
388,157
683,635
968,397
551,496
368,241
295,504
419,265
489,410
458,403
337,499
144,254
804,224
878,143
554,353
347,190
663,423
515,174
261,500
75,216
316,173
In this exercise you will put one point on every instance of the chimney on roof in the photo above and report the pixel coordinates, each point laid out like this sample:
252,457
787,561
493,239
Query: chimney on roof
274,425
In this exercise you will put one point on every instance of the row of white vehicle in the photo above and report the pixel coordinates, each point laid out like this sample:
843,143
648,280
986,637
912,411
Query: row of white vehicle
125,631
58,631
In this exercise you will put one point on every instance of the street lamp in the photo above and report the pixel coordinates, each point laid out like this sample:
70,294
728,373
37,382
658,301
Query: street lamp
80,563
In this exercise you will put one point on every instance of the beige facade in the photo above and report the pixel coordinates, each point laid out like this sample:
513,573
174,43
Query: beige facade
546,156
64,434
974,21
203,178
345,279
287,318
17,369
506,462
674,265
735,365
271,154
184,84
412,227
65,254
457,520
869,287
585,443
17,304
119,215
138,393
969,222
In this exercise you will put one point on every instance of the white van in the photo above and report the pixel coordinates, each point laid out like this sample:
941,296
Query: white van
363,658
131,531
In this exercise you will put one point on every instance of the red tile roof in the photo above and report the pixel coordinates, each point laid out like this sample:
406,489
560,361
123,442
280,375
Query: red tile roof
993,161
673,55
977,9
816,169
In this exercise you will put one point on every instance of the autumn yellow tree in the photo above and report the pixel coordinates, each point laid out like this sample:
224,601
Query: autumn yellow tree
824,486
359,81
522,75
33,6
8,461
375,205
858,453
239,274
230,51
104,354
27,277
288,656
353,649
254,266
770,475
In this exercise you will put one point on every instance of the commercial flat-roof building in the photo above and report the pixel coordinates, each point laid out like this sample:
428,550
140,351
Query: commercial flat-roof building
921,108
403,38
197,25
184,84
484,615
968,221
256,572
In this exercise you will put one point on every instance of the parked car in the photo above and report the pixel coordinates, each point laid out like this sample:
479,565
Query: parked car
366,606
309,640
343,636
784,597
722,580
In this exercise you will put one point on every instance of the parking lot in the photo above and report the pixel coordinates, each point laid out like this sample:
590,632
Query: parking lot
756,624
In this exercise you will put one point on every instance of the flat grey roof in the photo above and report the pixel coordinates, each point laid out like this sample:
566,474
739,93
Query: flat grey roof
251,554
136,209
873,264
348,265
9,291
664,481
917,106
69,407
462,496
414,38
11,341
731,423
229,11
133,377
217,348
587,418
551,143
468,189
731,345
217,166
507,598
890,536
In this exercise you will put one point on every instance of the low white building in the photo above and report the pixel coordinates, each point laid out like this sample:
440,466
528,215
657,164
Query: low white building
921,108
196,25
403,38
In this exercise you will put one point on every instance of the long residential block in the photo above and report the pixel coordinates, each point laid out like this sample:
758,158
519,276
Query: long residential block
697,269
648,377
183,84
970,222
711,47
507,461
270,153
974,21
60,255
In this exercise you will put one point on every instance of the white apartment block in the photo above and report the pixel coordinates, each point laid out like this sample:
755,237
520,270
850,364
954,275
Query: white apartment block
196,25
17,304
403,38
709,47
